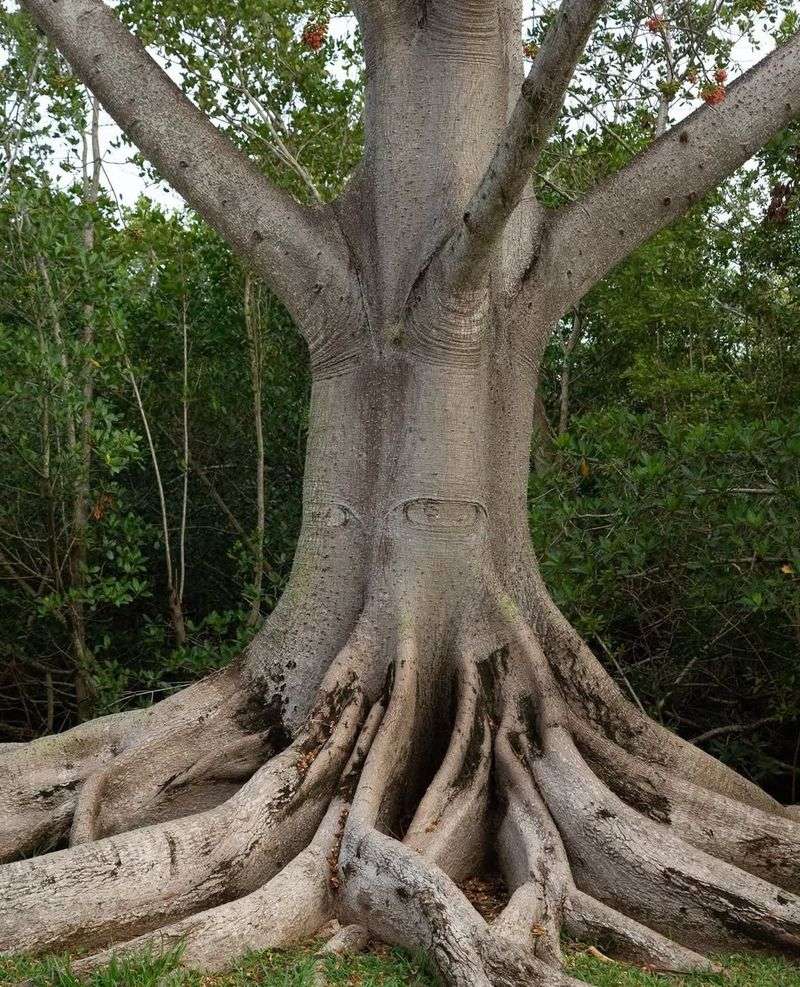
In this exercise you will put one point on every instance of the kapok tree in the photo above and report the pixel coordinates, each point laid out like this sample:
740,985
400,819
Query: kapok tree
416,704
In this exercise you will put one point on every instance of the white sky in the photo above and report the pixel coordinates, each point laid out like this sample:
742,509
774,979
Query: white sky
126,181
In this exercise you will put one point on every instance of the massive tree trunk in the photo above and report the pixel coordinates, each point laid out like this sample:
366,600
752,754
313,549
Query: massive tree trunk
416,707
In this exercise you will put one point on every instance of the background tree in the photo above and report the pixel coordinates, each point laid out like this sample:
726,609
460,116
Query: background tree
442,677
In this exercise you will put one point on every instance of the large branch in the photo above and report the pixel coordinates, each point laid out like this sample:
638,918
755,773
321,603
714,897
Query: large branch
296,249
589,237
532,121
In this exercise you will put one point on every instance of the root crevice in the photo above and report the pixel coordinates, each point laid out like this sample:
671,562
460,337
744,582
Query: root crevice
594,837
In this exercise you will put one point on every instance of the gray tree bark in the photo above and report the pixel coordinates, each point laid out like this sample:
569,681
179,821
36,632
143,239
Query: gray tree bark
416,689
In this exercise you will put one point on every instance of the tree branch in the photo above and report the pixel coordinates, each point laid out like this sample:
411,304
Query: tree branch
12,141
735,728
590,237
522,142
298,251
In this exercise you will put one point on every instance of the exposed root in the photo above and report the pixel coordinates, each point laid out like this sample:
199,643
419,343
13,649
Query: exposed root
644,870
209,778
596,833
39,781
590,921
289,908
347,940
758,842
103,892
533,859
594,696
537,867
449,826
400,897
376,892
403,899
186,754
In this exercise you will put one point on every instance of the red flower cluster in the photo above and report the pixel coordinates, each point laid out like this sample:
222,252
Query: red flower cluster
314,35
721,75
713,95
655,24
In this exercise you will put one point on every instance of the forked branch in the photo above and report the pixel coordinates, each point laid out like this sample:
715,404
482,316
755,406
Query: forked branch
522,142
299,251
589,237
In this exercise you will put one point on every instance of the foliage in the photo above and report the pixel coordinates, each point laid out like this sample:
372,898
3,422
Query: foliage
147,270
666,516
250,67
679,560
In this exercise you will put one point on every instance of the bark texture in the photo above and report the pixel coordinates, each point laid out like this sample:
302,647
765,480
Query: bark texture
416,705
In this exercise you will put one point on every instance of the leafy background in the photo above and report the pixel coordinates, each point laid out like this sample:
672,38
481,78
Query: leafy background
665,511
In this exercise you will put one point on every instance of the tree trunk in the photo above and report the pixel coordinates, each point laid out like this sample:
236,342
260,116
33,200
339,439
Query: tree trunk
85,691
416,705
569,345
252,321
425,684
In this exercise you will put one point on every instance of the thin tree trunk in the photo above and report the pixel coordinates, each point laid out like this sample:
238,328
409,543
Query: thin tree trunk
666,96
253,325
177,606
569,345
84,686
173,604
12,140
46,477
543,435
79,435
175,582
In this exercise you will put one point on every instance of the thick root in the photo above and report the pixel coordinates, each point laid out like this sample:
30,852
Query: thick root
755,841
402,899
286,910
103,892
40,781
596,697
449,826
533,859
596,834
644,870
389,889
545,897
187,754
289,908
590,921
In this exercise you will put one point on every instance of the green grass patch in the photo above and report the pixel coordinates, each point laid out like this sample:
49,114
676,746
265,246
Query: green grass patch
385,968
739,971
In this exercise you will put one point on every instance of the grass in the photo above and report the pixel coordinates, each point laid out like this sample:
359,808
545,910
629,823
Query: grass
386,968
